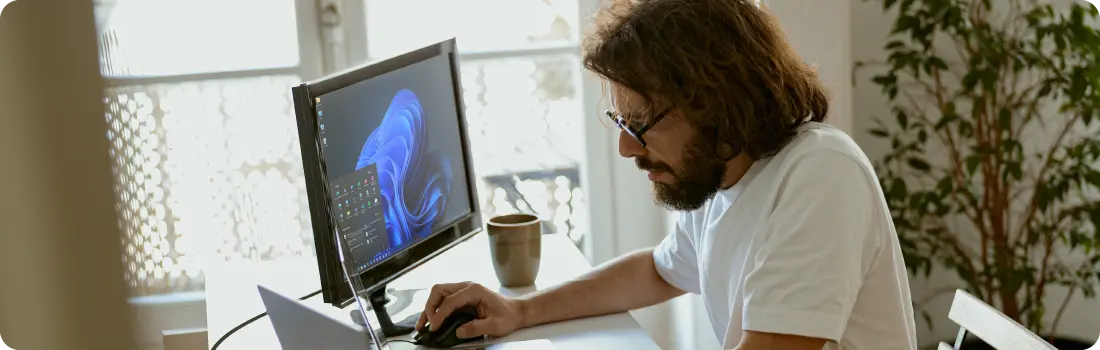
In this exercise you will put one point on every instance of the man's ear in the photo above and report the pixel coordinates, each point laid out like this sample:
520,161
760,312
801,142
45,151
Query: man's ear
723,150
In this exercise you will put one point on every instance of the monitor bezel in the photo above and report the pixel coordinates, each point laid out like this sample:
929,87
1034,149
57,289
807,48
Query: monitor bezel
334,288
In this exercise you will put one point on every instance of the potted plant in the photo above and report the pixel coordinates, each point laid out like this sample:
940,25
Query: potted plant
992,171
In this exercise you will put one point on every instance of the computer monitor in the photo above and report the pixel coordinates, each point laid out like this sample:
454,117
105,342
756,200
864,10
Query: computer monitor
387,158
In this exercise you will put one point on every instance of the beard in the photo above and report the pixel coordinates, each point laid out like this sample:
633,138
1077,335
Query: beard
698,180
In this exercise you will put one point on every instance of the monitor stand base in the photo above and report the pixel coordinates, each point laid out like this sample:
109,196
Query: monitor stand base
379,299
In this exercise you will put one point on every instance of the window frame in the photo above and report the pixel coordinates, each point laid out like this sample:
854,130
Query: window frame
327,49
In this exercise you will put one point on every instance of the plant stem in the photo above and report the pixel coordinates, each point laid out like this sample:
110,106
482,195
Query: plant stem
1040,286
1062,309
1047,162
935,294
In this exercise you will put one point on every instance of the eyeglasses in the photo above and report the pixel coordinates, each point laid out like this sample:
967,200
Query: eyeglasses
636,133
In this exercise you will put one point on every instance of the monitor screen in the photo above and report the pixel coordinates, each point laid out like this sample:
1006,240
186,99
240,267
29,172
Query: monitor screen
394,159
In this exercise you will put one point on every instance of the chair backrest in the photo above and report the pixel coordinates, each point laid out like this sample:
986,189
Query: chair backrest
991,326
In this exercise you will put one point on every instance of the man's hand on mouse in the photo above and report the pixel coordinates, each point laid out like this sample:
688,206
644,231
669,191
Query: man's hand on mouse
497,315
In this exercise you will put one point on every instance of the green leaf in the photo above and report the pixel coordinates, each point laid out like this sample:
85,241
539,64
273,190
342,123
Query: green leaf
903,119
965,128
936,62
1005,119
972,163
945,185
879,133
970,80
885,79
899,189
1078,84
949,109
989,80
1014,170
919,164
1093,177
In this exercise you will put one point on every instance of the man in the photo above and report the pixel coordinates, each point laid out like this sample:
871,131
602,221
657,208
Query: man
783,228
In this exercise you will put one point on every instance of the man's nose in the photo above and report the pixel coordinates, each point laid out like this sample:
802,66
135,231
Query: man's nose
629,147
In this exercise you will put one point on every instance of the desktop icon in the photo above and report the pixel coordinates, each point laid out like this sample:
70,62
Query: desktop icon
318,100
376,200
320,113
324,141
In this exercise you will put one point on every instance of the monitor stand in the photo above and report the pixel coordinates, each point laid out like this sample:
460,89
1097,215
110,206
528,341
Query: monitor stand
379,299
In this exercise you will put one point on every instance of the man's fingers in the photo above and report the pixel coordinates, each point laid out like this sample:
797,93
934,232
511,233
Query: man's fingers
421,320
450,303
438,293
475,328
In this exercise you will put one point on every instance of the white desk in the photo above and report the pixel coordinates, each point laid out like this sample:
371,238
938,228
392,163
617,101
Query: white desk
232,296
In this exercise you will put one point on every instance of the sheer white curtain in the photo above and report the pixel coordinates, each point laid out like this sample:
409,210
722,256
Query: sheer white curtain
202,135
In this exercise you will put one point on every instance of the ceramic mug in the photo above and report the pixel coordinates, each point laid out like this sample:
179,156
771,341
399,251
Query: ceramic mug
515,241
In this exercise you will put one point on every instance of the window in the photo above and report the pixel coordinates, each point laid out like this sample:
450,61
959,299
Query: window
202,135
204,143
522,90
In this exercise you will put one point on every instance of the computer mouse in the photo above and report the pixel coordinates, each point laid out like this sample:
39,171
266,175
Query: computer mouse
445,336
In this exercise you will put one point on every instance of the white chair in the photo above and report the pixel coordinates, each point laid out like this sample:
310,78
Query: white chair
991,326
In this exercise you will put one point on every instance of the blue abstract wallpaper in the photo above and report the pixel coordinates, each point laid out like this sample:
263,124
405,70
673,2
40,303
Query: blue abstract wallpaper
414,181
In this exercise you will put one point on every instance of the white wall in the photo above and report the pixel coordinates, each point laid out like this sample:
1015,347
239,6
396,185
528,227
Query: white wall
61,284
869,29
819,31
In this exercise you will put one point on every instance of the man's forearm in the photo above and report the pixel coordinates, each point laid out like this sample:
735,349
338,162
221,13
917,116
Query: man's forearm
626,283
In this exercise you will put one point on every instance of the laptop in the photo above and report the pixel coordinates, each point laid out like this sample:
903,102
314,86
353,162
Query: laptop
300,327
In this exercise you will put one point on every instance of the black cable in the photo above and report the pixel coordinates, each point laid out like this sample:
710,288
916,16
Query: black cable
253,319
400,340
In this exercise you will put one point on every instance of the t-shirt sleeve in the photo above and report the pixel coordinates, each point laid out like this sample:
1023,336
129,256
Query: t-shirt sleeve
819,242
676,261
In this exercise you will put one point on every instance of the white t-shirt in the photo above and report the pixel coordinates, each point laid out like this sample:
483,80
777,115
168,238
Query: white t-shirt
803,244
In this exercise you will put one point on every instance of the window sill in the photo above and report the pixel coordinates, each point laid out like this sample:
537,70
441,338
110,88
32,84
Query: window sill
173,298
158,313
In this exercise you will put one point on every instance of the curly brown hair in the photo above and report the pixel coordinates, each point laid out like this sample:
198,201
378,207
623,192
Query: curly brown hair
725,64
